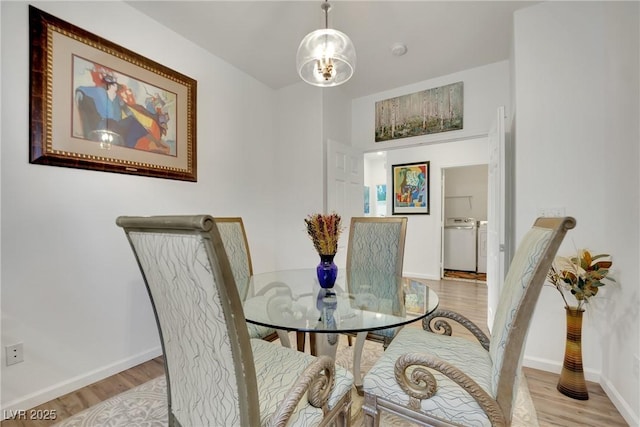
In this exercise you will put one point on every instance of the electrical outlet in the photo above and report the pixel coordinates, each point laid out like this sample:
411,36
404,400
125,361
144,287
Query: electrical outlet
14,354
551,212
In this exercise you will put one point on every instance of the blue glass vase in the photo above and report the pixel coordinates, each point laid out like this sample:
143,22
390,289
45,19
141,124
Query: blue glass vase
327,271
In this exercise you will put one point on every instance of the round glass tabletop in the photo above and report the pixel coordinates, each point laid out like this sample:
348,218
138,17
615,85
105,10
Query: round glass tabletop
360,301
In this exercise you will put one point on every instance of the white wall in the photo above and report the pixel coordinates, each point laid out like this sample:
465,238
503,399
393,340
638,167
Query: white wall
299,189
306,118
485,89
336,115
71,291
577,132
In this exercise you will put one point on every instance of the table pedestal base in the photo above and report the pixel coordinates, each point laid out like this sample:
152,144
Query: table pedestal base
357,357
320,346
284,338
324,344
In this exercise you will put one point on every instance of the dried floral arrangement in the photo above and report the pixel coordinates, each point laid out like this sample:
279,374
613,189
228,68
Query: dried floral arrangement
581,275
324,231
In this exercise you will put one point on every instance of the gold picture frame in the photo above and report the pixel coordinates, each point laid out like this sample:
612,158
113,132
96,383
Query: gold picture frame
97,105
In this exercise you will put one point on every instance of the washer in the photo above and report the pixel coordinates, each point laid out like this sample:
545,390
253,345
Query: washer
460,244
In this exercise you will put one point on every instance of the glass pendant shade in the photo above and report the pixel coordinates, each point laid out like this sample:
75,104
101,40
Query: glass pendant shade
326,57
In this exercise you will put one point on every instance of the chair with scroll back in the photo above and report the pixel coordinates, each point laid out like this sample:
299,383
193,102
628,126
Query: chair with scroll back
375,252
216,374
436,379
236,245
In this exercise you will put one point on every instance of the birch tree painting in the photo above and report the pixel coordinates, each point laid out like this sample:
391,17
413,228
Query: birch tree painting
433,110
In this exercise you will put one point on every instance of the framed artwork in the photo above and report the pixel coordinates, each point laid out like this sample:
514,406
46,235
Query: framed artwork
381,192
97,105
367,205
410,188
381,200
429,111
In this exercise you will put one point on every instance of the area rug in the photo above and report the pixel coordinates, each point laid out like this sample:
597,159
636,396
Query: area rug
146,404
465,275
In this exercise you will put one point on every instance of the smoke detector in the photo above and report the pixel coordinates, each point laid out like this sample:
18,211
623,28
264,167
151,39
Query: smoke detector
398,49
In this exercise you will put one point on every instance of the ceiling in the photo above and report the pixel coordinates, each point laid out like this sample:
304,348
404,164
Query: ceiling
261,37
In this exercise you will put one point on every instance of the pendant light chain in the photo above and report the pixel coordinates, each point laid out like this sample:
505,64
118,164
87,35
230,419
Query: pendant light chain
326,6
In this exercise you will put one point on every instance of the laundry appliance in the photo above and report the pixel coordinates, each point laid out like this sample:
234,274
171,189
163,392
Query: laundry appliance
460,244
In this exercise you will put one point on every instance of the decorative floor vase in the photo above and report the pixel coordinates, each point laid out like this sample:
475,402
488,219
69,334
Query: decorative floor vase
572,382
327,271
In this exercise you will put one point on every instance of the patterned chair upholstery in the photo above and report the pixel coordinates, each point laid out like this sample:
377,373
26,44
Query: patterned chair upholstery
432,378
236,245
376,253
217,375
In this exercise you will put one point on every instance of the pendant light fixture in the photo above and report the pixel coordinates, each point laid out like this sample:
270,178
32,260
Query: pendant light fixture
326,57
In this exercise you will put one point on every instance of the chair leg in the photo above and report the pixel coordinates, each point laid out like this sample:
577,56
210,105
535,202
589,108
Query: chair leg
344,418
370,411
312,344
387,340
300,338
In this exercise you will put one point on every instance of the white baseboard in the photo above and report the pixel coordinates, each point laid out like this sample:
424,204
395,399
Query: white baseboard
621,405
421,276
618,401
556,367
73,384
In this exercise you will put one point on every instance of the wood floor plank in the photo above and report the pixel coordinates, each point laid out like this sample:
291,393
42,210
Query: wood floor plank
468,298
556,409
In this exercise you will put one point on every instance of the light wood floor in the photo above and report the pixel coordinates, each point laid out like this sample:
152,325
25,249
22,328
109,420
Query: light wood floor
468,298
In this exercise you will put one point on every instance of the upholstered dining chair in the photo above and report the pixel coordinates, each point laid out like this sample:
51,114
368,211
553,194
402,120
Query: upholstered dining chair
376,251
431,378
216,375
236,245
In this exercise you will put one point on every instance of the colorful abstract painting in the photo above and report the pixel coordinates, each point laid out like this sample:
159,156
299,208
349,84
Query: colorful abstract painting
142,114
411,188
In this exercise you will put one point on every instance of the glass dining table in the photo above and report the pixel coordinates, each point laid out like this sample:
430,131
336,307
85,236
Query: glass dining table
360,302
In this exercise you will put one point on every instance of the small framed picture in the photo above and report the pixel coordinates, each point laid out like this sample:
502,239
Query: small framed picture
410,188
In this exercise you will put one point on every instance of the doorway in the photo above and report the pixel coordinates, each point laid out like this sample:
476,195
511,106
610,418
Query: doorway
376,182
464,213
423,247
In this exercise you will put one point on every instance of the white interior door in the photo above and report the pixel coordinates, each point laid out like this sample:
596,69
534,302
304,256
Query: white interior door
345,188
442,219
496,215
